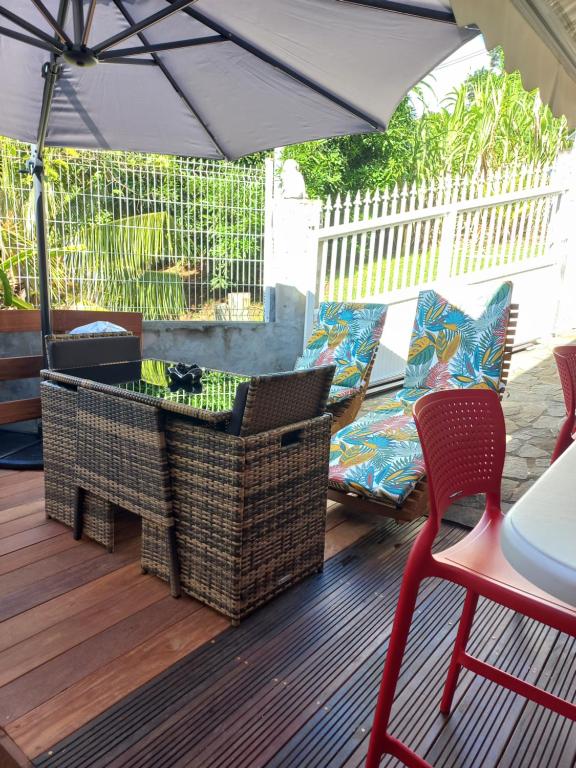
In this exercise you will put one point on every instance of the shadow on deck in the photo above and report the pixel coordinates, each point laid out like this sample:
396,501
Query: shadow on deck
100,667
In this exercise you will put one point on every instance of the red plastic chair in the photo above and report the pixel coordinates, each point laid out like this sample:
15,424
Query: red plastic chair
566,363
463,438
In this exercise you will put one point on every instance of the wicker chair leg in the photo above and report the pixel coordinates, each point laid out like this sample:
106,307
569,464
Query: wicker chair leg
111,509
173,563
78,513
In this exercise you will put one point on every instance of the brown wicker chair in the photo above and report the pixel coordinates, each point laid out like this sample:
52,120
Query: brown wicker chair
121,458
238,517
250,508
277,399
68,351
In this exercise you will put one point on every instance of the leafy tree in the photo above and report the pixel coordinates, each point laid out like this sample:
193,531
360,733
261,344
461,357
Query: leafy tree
362,161
487,122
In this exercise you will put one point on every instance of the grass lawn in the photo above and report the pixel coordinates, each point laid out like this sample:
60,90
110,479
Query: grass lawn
413,269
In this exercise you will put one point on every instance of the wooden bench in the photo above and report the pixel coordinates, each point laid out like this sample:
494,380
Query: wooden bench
63,320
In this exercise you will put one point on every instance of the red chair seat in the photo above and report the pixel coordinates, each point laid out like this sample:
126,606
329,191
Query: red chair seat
479,556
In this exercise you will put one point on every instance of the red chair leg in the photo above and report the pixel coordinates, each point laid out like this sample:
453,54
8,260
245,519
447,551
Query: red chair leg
466,619
380,741
564,439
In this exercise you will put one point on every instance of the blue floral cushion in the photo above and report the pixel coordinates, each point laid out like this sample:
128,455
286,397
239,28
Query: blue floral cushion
337,394
379,455
346,335
450,349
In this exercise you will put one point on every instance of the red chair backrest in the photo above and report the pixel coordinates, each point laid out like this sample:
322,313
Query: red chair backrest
566,363
463,439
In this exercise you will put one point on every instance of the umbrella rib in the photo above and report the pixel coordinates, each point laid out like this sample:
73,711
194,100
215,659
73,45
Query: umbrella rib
288,70
78,18
155,48
36,31
52,22
419,12
88,22
168,75
128,60
136,27
29,40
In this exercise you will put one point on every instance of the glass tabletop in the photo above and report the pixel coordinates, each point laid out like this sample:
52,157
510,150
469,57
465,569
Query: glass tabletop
215,392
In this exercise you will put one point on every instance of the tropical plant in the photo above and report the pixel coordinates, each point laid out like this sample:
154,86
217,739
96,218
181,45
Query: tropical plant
129,231
486,123
130,264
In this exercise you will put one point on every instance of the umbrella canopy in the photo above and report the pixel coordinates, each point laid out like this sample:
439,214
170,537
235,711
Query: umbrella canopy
209,78
538,38
214,78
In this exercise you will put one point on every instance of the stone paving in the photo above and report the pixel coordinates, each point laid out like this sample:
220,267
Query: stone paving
534,409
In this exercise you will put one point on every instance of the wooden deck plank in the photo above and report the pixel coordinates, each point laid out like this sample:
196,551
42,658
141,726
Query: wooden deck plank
33,535
98,659
540,736
24,479
20,524
40,728
14,513
47,566
57,590
295,685
37,552
61,583
19,659
150,658
34,691
24,495
282,612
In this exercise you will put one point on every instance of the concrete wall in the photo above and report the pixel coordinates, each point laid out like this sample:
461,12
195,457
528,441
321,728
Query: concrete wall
250,348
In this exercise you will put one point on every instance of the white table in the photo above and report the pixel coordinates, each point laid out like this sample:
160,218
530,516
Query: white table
539,533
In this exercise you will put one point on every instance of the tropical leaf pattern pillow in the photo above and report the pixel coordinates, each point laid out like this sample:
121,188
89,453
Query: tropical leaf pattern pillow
450,349
347,336
379,455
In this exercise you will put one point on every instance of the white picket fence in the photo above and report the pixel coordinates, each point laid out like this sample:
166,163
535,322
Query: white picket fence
455,231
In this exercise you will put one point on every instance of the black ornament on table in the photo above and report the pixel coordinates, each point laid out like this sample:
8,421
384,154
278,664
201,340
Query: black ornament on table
185,376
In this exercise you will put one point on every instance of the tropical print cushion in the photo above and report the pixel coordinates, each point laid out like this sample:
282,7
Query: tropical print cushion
346,335
337,394
451,349
379,455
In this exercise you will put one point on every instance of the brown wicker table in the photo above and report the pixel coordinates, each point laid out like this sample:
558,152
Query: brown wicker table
147,381
246,513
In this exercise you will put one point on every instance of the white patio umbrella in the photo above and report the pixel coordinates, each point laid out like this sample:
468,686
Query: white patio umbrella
208,78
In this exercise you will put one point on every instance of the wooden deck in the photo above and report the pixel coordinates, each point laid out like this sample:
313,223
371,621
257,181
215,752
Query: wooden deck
99,666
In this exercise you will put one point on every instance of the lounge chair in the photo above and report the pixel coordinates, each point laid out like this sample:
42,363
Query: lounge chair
376,463
347,336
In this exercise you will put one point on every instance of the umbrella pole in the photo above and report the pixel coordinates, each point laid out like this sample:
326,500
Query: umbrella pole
37,170
50,74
